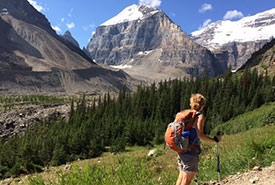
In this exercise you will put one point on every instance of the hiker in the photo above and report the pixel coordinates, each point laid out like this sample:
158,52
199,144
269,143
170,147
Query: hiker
189,161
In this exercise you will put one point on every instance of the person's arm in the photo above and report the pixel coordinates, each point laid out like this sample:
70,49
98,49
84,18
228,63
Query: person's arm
200,130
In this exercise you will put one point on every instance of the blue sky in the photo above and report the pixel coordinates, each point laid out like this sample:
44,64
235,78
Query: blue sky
81,17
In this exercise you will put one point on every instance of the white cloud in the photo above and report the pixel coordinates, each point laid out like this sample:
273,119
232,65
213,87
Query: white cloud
205,7
70,13
88,27
57,29
205,23
152,3
92,26
232,14
70,25
35,5
85,28
62,19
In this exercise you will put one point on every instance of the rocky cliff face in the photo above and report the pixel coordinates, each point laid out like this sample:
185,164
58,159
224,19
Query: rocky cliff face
263,60
238,39
152,46
238,53
35,60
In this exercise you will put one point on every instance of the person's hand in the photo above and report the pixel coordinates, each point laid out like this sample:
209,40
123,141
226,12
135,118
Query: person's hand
218,137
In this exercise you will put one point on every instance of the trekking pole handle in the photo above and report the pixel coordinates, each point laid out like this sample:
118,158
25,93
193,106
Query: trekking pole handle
215,137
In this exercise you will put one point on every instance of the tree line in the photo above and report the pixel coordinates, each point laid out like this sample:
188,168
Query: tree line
138,118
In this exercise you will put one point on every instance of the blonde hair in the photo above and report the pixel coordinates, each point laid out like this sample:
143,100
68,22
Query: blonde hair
197,102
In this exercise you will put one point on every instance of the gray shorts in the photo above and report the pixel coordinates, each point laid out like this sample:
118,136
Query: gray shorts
188,163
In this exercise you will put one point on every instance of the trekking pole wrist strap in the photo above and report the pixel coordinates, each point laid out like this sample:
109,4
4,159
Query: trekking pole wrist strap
216,139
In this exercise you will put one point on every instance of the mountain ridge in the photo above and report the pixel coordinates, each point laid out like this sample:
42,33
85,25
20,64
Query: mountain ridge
35,60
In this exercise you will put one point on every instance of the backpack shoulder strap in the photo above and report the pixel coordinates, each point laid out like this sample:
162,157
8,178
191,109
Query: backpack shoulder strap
196,114
183,115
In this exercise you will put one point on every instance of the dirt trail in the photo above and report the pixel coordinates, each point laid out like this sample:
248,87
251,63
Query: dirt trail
258,176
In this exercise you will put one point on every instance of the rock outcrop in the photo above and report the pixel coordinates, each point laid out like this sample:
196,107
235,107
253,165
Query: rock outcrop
238,53
263,60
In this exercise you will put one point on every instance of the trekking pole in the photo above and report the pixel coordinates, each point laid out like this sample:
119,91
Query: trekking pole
218,157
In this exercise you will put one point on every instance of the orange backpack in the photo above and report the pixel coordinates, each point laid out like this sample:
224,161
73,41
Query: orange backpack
173,135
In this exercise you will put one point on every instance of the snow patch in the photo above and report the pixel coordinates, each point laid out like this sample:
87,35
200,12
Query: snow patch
144,52
122,66
130,13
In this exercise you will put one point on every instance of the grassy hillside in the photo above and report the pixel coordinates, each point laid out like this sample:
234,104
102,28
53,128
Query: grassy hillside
239,152
265,115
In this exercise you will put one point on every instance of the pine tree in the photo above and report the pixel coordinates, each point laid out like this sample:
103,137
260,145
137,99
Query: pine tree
59,155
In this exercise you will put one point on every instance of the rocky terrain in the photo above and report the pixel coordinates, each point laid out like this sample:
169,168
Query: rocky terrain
259,176
148,44
35,60
17,121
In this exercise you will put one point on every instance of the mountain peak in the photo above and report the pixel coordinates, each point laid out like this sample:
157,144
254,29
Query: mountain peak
68,36
131,13
67,33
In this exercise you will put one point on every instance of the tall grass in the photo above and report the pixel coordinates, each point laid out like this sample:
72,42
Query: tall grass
238,153
125,171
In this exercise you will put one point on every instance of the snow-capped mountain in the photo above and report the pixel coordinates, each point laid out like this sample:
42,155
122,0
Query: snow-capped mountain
238,40
131,13
252,28
146,43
